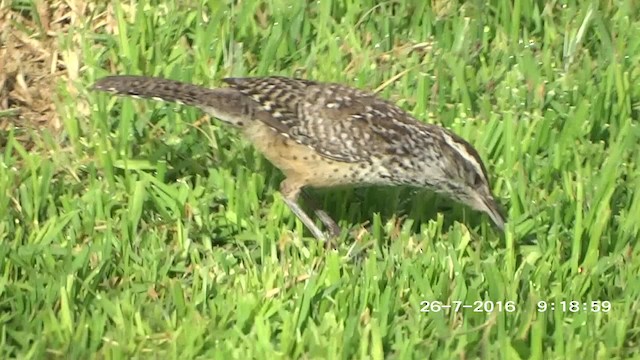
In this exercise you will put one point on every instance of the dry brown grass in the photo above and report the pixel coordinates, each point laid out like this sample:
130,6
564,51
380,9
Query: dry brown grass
33,64
30,63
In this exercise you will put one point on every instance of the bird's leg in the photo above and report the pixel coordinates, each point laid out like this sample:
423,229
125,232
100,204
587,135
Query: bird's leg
331,225
290,191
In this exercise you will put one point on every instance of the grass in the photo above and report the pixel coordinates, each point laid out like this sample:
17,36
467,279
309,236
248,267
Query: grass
145,230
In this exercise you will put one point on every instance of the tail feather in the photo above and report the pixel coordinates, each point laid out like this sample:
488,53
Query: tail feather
226,104
153,88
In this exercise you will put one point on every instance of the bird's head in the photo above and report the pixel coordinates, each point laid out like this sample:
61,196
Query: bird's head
469,181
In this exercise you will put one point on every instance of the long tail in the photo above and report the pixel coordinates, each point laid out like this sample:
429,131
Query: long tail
226,104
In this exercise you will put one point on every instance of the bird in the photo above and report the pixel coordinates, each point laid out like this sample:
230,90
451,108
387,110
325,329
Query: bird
326,134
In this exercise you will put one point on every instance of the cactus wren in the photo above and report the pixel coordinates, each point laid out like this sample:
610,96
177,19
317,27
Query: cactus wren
324,135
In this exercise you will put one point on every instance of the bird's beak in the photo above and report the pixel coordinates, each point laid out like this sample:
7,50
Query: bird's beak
491,208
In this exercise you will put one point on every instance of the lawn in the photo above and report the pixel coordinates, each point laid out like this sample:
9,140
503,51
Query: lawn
141,229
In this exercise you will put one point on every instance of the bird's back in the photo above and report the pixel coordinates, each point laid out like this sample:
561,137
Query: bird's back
340,122
350,125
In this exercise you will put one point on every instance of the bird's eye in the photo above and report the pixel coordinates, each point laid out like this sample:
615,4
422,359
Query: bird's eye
477,180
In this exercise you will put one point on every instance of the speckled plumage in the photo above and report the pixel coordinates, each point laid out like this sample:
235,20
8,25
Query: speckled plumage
323,135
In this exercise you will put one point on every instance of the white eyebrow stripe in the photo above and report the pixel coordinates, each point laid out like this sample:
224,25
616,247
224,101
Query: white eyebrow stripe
462,151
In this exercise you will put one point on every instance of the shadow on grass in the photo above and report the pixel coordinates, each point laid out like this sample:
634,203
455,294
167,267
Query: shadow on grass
421,206
355,206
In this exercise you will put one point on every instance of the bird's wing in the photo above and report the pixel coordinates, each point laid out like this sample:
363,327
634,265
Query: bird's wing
338,122
278,96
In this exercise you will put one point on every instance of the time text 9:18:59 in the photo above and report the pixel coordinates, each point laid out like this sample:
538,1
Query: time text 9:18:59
575,306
